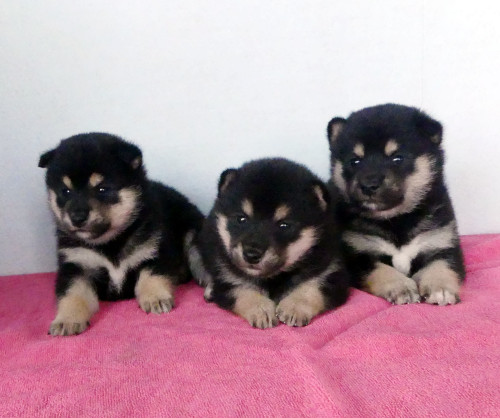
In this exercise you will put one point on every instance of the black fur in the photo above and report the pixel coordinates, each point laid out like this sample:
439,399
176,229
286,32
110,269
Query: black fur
370,189
156,210
267,184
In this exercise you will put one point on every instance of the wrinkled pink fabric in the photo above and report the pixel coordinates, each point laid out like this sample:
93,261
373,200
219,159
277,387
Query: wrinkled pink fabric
367,358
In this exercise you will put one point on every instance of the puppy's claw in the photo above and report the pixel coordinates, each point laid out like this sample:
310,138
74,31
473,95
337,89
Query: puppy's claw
67,328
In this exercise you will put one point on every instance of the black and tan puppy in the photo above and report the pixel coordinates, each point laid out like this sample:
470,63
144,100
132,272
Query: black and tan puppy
399,230
118,233
268,249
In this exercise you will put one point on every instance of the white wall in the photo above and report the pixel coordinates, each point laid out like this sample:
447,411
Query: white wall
204,85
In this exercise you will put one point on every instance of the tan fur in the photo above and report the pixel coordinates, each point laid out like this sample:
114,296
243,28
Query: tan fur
391,147
247,207
223,232
53,206
321,197
281,212
388,283
67,182
92,260
338,177
95,179
300,306
75,309
359,150
297,249
431,240
136,163
416,187
256,308
155,293
438,283
335,130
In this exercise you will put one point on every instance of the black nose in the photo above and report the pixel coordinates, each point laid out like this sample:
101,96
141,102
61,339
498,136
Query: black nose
370,184
252,254
79,217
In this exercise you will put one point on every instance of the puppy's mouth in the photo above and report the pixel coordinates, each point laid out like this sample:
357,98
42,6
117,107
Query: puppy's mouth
89,232
268,266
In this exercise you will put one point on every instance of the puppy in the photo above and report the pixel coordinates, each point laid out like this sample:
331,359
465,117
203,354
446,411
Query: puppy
268,250
399,230
118,233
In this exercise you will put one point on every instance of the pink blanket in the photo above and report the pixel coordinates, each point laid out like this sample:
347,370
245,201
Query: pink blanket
368,358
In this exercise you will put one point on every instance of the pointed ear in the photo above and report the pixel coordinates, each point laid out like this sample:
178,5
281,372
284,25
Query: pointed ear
130,154
225,179
429,127
45,158
322,195
334,129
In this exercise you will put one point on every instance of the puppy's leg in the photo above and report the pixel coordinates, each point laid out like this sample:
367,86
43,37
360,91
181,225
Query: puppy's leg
75,308
154,292
197,267
387,282
438,284
302,304
256,308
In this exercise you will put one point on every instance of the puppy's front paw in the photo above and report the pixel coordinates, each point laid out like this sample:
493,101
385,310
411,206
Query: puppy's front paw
403,292
438,284
66,328
156,304
154,292
256,308
294,313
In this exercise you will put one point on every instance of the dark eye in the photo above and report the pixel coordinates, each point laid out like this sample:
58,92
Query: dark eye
355,161
397,159
283,225
65,191
102,189
242,219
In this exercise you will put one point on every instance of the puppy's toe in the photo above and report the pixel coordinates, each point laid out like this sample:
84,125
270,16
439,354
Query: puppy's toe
294,313
156,305
404,292
440,296
263,316
65,328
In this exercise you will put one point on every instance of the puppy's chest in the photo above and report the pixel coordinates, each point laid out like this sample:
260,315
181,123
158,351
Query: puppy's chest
402,252
119,265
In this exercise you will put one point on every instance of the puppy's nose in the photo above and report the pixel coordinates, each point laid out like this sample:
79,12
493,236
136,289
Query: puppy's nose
79,217
370,184
252,254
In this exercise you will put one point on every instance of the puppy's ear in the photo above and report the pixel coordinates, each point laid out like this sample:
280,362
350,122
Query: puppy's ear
46,158
322,195
429,127
334,129
225,179
130,154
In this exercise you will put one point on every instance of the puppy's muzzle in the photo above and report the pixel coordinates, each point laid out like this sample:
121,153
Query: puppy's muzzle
370,183
78,214
253,253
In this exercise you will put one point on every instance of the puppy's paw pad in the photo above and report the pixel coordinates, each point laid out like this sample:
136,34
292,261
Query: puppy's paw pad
294,313
156,305
404,293
66,328
441,297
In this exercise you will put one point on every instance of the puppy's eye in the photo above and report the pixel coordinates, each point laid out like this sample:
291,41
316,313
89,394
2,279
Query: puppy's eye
242,219
102,189
355,161
397,159
283,225
66,192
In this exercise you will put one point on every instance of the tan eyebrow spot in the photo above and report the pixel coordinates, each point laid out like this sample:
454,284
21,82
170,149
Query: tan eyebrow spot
281,212
391,147
359,150
95,179
67,182
247,207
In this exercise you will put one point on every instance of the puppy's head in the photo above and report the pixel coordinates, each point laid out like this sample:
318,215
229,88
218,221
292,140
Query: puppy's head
94,182
385,158
269,214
